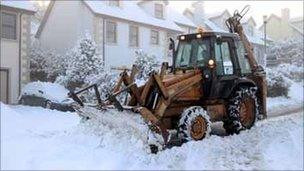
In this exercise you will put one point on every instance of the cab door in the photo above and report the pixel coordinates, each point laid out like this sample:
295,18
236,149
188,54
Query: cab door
225,72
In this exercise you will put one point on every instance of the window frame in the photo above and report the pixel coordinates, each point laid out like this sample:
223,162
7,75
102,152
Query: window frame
156,37
15,25
159,12
114,41
131,36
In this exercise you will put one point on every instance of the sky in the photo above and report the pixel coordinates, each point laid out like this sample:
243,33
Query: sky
257,10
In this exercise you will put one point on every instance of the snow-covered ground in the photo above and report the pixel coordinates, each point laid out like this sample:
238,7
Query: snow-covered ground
37,138
277,105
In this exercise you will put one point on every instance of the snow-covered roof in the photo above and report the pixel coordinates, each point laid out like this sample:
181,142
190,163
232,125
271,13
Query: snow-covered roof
22,5
179,18
213,26
131,12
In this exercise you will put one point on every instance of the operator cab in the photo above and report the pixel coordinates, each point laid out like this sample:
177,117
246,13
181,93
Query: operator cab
223,52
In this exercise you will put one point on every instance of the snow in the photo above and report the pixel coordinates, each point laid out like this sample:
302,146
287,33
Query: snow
25,5
58,141
132,12
51,91
295,100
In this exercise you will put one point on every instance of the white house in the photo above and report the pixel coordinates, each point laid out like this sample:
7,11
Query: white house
15,41
118,27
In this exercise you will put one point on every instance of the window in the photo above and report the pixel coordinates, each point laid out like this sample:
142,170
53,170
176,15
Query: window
133,36
8,26
159,11
111,32
243,60
154,37
223,59
194,53
114,3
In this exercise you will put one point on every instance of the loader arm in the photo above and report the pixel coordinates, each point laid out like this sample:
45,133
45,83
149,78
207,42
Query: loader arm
234,25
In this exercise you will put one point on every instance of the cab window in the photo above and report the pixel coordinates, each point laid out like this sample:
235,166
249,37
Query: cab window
224,64
194,53
243,60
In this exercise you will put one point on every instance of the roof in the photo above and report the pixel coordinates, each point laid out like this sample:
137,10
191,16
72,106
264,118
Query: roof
296,28
179,18
213,26
246,20
26,6
217,15
296,19
131,12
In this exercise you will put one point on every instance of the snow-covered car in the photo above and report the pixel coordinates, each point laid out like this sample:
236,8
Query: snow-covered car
47,95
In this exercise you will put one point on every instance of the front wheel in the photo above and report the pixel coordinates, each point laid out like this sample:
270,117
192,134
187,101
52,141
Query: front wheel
242,110
194,124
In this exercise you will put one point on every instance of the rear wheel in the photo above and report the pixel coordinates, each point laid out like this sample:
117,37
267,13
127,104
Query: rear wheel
242,110
194,124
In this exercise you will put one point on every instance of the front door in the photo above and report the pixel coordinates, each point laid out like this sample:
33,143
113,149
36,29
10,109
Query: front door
225,72
4,88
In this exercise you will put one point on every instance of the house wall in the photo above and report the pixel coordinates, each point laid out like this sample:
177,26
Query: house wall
67,21
121,54
10,56
279,29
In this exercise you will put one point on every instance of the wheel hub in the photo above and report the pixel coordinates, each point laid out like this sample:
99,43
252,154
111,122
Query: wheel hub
198,128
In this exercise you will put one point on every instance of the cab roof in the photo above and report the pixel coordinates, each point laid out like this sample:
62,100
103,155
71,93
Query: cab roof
209,33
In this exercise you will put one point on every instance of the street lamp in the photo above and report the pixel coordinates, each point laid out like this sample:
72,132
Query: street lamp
265,43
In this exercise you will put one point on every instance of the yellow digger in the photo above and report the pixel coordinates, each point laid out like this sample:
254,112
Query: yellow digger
214,77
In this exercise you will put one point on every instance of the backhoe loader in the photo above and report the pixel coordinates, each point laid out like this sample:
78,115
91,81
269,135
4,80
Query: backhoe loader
214,77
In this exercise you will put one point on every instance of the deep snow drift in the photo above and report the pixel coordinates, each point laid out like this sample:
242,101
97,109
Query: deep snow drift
37,138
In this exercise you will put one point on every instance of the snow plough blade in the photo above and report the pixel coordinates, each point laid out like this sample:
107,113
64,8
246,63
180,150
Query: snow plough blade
150,101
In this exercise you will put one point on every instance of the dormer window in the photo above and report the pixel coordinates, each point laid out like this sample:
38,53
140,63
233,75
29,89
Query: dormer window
159,11
114,3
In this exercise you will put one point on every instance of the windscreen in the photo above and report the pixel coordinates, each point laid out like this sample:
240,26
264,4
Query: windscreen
194,53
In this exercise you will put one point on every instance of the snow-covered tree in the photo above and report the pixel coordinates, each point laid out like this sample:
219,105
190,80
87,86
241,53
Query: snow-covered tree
288,51
145,63
84,64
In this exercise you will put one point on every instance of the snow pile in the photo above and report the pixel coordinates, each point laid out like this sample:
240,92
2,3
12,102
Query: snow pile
36,138
51,91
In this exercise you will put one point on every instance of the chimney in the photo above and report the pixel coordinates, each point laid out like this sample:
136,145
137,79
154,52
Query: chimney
285,14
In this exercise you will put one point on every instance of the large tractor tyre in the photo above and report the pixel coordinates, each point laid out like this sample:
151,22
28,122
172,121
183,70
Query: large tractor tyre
242,110
194,124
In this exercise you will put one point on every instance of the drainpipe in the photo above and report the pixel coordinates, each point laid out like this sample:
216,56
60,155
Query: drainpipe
20,31
103,42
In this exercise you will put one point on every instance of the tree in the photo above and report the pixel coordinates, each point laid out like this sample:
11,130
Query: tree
145,63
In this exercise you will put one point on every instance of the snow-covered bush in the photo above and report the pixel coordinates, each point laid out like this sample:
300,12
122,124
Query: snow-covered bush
278,84
45,65
145,63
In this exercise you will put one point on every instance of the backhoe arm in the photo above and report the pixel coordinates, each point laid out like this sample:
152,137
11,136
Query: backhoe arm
234,26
